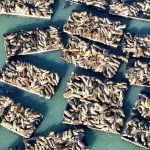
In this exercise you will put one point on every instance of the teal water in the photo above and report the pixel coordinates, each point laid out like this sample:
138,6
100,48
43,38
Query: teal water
52,110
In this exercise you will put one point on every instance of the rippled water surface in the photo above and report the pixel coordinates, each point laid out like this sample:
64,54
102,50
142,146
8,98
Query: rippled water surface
53,109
